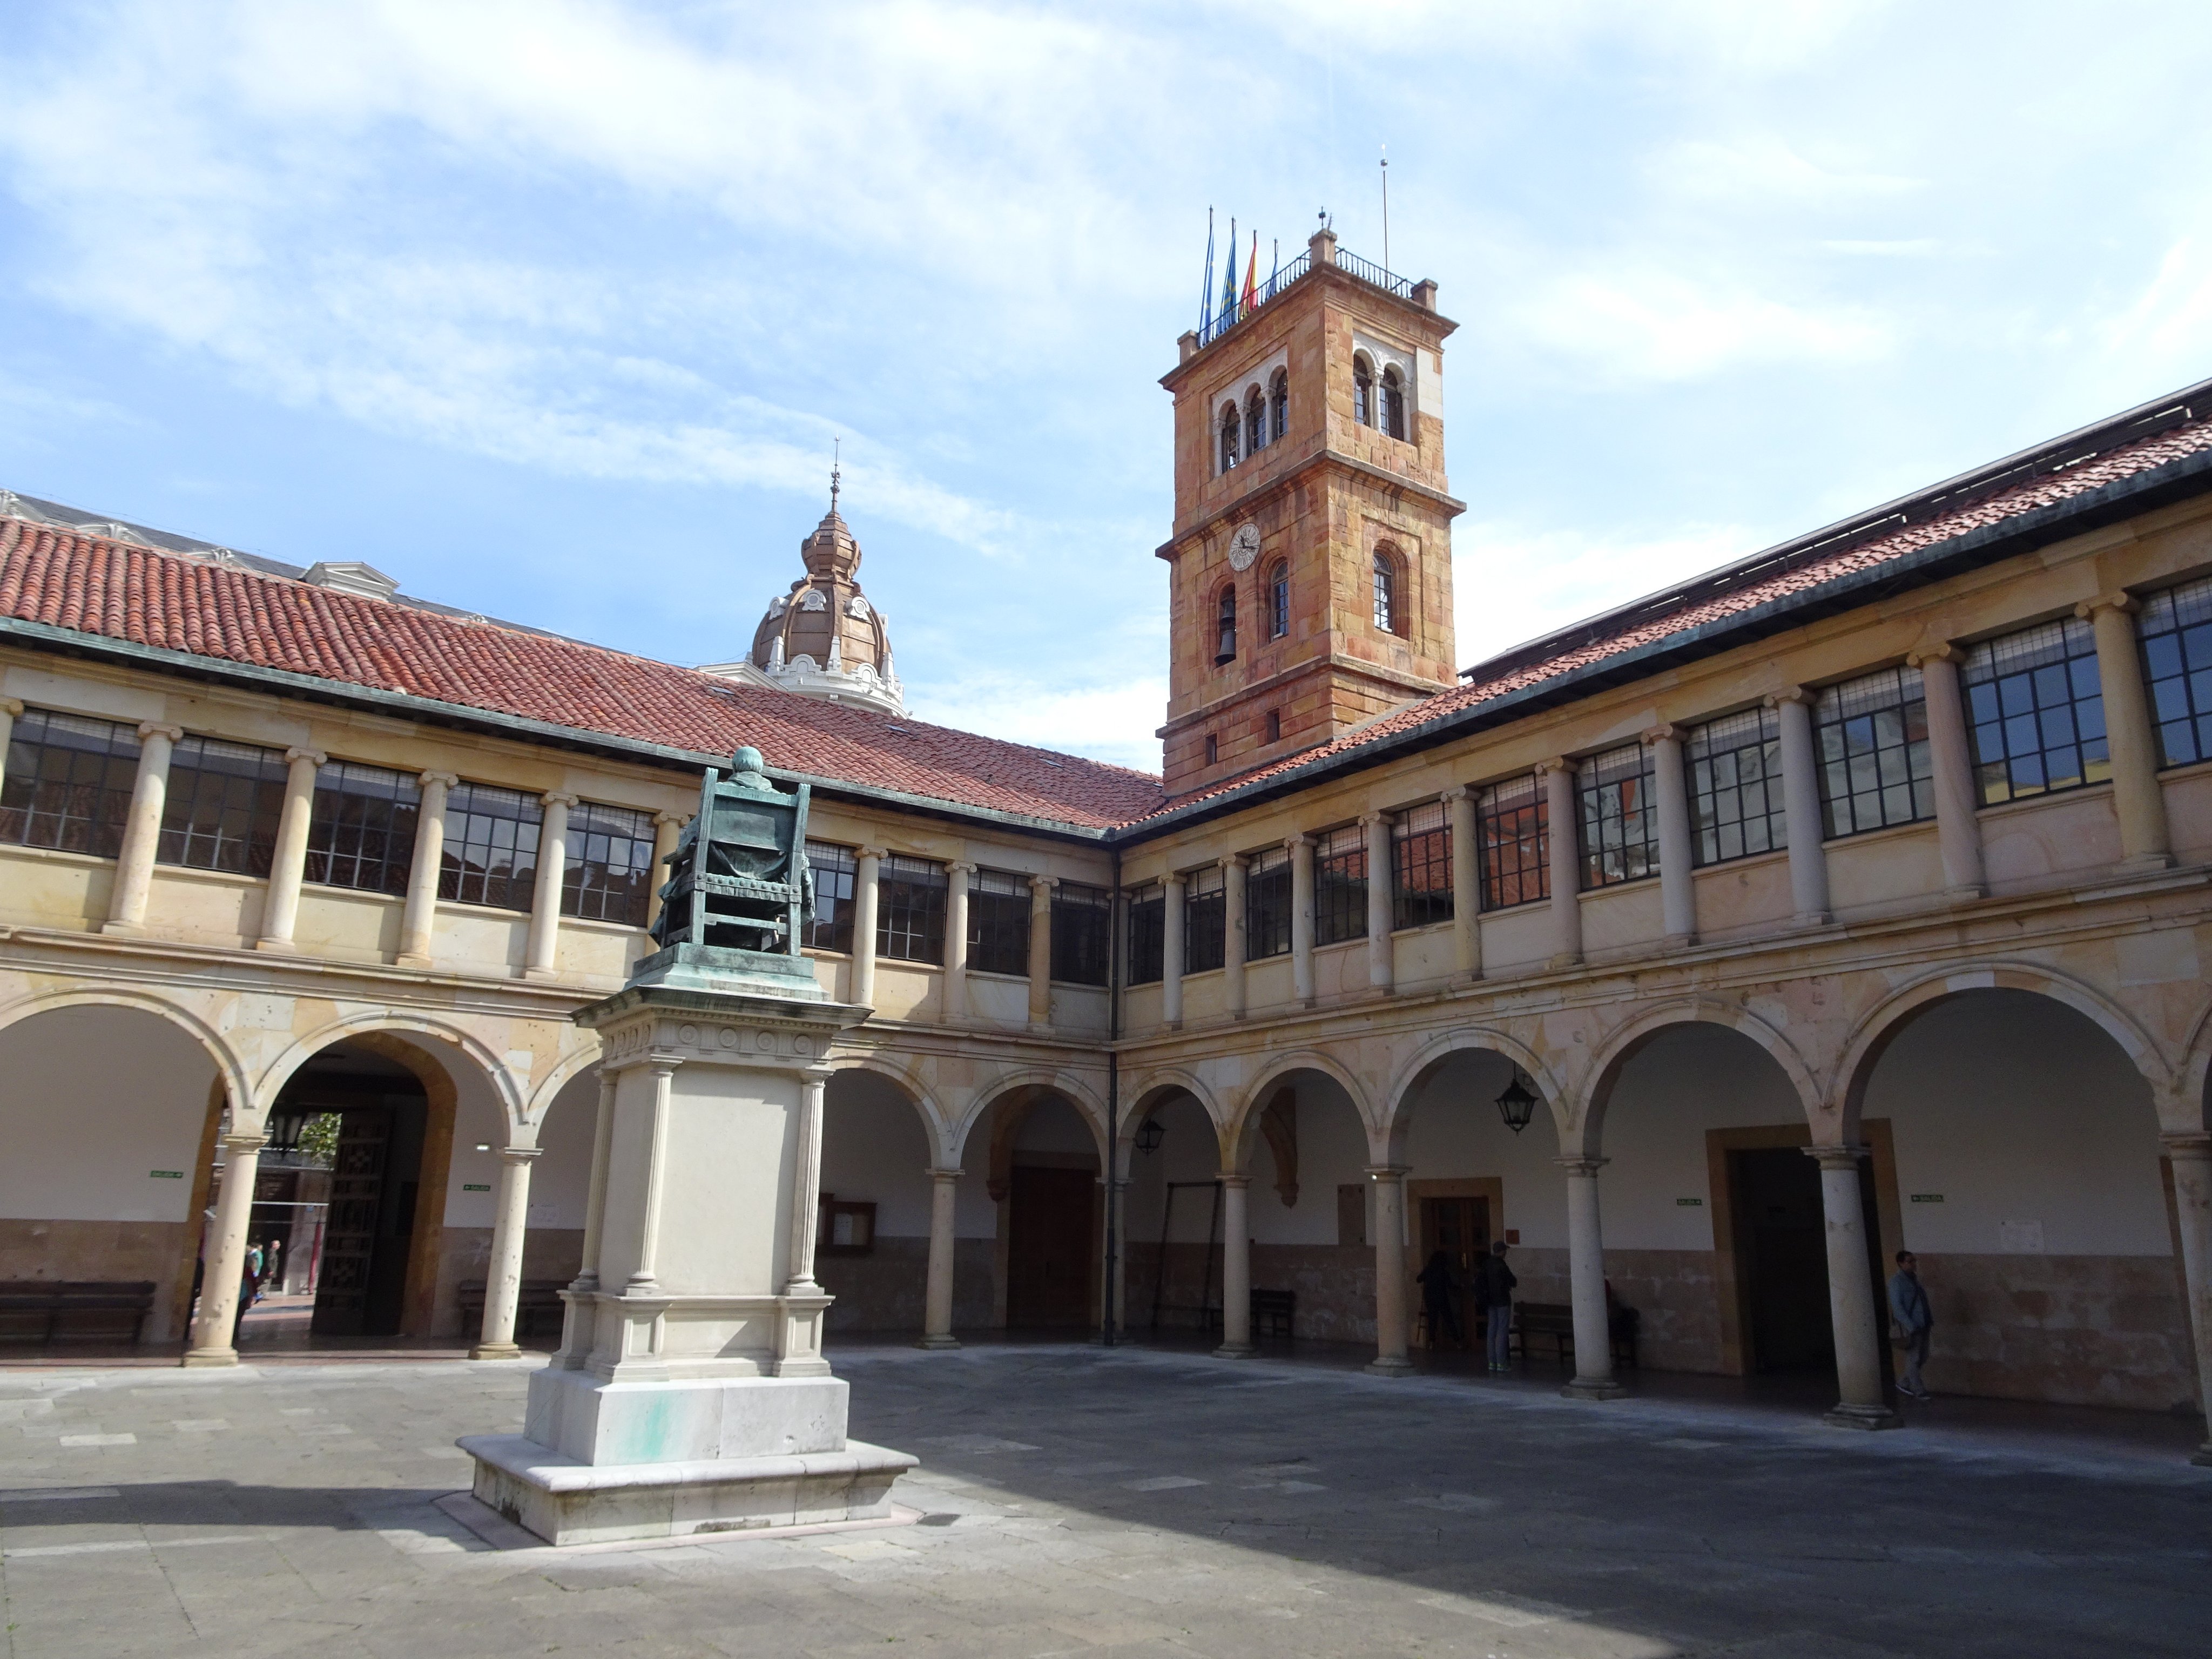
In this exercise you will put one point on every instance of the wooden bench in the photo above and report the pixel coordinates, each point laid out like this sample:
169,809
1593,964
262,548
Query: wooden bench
1273,1313
1555,1322
538,1310
46,1310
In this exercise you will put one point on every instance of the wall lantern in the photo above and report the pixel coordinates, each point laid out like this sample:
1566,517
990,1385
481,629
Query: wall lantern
1516,1105
1149,1135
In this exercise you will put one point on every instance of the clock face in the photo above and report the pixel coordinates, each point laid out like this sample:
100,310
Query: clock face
1244,547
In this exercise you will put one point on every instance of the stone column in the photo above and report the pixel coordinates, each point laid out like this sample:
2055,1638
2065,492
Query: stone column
643,1280
667,829
1586,1285
1557,777
2137,798
1670,790
576,1322
1801,805
1391,1329
1850,1294
419,921
1236,1269
806,1222
1040,888
545,901
1958,831
503,1273
2191,1155
1171,927
955,941
1119,1194
867,868
1232,943
1466,882
288,860
1382,908
225,1252
937,1295
1302,917
9,708
141,831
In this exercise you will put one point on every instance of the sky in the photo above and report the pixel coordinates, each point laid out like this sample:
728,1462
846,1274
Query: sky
553,310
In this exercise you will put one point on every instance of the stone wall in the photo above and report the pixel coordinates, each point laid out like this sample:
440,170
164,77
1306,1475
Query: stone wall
556,1253
126,1250
883,1290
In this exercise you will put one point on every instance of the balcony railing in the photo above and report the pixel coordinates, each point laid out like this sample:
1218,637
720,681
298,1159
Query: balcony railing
1401,286
1214,327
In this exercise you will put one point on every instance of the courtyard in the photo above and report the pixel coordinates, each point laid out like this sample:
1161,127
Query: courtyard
1141,1501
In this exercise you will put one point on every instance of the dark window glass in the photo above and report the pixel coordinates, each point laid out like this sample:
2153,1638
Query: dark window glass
1736,786
2176,630
1363,391
1278,600
1619,819
69,783
1386,594
1875,769
1255,424
1340,885
1225,645
910,910
1229,437
362,832
491,847
833,869
1082,931
1268,905
1420,860
1513,822
998,923
1281,403
1393,404
608,875
1205,920
1148,914
224,801
2036,712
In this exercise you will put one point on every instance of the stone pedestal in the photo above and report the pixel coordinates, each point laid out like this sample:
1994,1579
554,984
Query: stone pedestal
689,1394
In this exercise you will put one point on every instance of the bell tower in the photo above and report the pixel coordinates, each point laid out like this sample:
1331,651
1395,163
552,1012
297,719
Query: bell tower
1310,571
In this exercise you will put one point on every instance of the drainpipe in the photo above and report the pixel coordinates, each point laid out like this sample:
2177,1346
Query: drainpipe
1118,925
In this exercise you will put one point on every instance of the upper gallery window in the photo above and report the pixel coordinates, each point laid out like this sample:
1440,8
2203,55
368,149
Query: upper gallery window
1736,786
834,868
491,847
1363,390
362,831
1230,423
1148,913
1268,905
2176,628
1389,618
1620,818
1876,768
1279,599
1205,919
1420,860
1256,423
607,874
2037,712
1393,404
1082,934
998,923
910,910
1225,645
69,783
1340,885
1512,820
1278,404
223,804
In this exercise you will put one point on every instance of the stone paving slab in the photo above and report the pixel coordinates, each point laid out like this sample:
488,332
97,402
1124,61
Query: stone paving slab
1078,1501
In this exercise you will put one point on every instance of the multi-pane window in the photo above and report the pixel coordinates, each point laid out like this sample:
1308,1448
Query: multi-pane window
1148,915
1279,404
834,868
998,922
608,875
223,807
1420,860
1875,768
1267,904
1205,919
1620,818
1255,424
1340,885
910,910
491,847
1226,643
1363,391
1393,404
2037,711
1229,425
1082,933
2176,629
1736,786
362,831
1279,599
69,783
1385,593
1512,824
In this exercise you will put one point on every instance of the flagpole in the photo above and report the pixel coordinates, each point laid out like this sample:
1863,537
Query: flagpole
1386,207
1206,288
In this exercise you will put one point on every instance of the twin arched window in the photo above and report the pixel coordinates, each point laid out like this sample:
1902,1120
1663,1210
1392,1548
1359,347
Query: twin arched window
1279,599
1387,411
1390,610
1265,418
1226,649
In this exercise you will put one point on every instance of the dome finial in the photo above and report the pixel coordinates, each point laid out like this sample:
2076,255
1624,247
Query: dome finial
837,470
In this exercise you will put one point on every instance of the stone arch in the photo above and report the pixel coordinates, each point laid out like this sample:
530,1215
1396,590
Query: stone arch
1143,1094
1078,1094
935,1123
227,1065
1238,1134
395,1028
1463,1040
2191,1111
1583,1129
565,1071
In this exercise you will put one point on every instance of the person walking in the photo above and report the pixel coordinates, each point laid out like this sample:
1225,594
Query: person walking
1436,1283
1912,1319
1493,1289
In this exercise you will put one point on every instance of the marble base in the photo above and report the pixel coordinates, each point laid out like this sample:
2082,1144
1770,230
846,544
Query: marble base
684,1420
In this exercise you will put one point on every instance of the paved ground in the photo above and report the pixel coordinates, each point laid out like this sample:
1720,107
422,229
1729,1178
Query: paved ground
1101,1504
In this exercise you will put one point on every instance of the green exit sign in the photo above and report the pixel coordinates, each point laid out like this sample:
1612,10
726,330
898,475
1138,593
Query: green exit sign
165,1174
1928,1198
476,1186
1690,1203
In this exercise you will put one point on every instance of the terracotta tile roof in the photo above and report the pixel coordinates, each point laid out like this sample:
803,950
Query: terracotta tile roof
97,585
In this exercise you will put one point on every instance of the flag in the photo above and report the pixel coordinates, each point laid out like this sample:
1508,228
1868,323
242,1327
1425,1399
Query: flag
1228,281
1252,278
1205,288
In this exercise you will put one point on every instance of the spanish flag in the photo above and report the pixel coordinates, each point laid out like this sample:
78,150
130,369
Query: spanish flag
1251,300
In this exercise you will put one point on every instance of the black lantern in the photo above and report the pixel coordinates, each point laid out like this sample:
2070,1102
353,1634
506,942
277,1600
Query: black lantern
1149,1135
1516,1105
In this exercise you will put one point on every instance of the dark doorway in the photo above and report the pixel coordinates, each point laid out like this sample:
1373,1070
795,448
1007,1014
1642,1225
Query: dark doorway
1048,1246
1460,1227
1782,1252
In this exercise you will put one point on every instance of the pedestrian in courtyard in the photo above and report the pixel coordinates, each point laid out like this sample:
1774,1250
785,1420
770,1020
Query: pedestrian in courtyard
1912,1319
1436,1283
253,1272
1494,1282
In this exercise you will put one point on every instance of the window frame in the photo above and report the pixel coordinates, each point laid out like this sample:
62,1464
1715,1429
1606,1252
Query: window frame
836,884
260,797
910,897
1893,760
1230,425
1279,599
1421,845
2027,704
112,783
1255,421
396,806
1267,904
1205,920
1363,390
1616,816
1720,793
2173,645
1503,820
1393,402
1386,595
1340,878
1278,406
1082,934
1145,913
1224,612
471,827
998,925
630,899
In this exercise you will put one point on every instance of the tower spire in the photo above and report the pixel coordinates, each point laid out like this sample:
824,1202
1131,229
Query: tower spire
836,469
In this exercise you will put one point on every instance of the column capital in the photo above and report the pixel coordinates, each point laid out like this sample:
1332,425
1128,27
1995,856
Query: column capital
1835,1157
1942,651
876,853
447,780
668,820
1666,732
2118,600
1800,694
557,797
1043,884
2188,1146
1175,878
11,707
1298,843
1544,768
295,756
1228,1179
1458,792
1238,861
1577,1166
244,1142
518,1155
1369,820
1389,1171
157,729
818,1075
960,867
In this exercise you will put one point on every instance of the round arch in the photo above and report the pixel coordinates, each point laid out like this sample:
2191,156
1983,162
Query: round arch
933,1122
440,1035
1582,1133
1237,1135
1078,1094
1465,1039
566,1071
2191,1111
228,1066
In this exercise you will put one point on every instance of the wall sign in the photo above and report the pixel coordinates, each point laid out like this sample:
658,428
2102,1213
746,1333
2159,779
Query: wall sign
476,1186
1928,1198
165,1174
1690,1203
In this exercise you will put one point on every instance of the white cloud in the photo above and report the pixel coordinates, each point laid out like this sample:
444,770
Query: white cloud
1645,322
1113,722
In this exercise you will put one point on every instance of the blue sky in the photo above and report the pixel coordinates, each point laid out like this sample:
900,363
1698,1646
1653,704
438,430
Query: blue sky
552,309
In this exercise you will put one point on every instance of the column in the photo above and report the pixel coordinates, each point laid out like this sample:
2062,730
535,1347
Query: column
1236,1269
1232,943
806,1187
1302,917
1850,1292
576,1338
955,941
2191,1155
545,901
643,1280
1171,925
2139,802
1390,1326
503,1274
225,1252
1801,806
1381,904
867,868
1678,888
141,831
288,861
1560,808
667,828
1466,883
1586,1285
9,708
1119,1194
1957,830
937,1295
419,921
1041,951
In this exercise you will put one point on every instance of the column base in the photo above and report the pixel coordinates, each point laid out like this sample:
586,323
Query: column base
1681,941
939,1344
1969,894
2147,864
495,1350
1390,1365
196,1358
280,947
1811,919
1594,1387
124,929
1862,1417
1560,963
540,975
1235,1351
408,959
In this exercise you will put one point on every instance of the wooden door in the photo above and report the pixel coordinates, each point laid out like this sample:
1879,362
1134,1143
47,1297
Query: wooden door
1048,1246
1782,1241
349,1235
1460,1227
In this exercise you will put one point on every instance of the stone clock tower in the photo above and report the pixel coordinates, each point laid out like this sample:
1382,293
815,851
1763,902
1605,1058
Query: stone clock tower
1311,559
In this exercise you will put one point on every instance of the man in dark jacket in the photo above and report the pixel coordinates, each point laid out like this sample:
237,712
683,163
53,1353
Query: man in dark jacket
1914,1319
1493,1289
